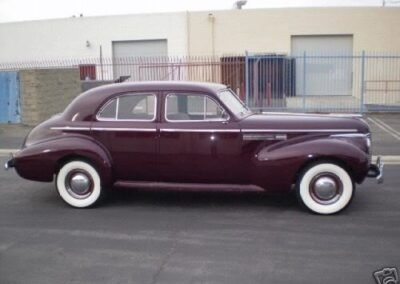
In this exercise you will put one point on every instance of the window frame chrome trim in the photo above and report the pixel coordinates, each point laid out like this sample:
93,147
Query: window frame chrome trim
98,118
195,94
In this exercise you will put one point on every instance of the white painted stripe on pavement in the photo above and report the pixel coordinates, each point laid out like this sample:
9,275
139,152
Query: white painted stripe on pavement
387,126
387,130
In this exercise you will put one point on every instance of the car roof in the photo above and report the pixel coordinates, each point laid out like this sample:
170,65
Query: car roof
162,85
87,102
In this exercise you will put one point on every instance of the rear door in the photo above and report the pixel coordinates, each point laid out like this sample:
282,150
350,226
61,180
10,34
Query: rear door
127,125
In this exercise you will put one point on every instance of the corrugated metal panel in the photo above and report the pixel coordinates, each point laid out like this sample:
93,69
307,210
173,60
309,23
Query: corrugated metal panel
330,76
137,49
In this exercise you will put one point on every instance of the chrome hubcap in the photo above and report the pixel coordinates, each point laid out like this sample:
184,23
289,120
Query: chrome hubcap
79,184
326,188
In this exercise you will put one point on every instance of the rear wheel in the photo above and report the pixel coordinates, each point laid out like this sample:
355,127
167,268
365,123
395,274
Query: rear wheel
78,184
325,188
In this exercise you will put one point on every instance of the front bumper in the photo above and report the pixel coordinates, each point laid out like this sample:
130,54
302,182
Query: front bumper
376,170
10,163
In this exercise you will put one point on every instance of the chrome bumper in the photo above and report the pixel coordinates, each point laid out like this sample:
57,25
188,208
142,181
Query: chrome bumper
376,170
10,163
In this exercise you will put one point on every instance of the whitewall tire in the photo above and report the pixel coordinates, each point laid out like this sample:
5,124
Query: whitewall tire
325,188
78,184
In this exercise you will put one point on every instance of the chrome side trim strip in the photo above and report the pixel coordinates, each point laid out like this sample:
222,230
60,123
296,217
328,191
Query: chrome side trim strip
124,129
296,130
352,135
319,115
200,130
264,137
69,128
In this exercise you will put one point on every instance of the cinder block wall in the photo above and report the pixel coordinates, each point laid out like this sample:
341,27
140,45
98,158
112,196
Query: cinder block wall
46,92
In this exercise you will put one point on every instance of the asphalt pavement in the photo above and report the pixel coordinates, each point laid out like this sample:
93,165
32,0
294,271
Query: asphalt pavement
142,237
178,237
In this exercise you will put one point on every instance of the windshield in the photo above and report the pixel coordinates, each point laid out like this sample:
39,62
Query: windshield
235,105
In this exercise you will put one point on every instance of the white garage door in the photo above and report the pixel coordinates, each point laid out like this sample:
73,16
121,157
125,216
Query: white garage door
126,54
328,65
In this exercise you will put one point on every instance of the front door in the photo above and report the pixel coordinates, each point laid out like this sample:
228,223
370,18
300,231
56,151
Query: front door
199,143
127,125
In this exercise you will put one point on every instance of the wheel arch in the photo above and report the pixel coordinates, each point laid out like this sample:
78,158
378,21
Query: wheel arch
73,157
98,161
324,159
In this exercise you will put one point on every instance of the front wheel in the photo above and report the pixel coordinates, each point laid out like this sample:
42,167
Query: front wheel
325,188
78,184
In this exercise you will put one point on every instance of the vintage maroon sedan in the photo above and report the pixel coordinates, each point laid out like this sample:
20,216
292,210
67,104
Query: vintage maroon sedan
199,136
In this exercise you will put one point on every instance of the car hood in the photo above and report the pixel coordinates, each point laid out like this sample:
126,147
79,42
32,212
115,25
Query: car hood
303,123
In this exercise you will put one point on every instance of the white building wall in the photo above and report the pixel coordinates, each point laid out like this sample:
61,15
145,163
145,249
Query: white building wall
66,38
270,30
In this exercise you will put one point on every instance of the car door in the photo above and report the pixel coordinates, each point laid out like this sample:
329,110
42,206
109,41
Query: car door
199,142
127,126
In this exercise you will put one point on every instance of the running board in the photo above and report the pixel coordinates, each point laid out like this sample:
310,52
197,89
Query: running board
174,186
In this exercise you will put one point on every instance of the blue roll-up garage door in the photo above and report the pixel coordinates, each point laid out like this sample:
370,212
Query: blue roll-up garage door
9,98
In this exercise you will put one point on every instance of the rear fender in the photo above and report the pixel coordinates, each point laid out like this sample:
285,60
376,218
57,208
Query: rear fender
41,161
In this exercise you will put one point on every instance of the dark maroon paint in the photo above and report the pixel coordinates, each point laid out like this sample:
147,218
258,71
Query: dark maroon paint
191,159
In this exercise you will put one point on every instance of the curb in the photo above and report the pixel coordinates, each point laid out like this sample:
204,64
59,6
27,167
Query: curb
387,159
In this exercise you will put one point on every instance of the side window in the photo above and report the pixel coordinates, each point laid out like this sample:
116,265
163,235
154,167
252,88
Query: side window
193,108
109,110
130,107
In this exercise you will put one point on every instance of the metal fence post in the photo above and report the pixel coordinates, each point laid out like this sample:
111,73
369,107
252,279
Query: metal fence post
247,78
304,81
101,62
362,87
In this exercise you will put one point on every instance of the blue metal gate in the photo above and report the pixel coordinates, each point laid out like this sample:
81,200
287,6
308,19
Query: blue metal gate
9,98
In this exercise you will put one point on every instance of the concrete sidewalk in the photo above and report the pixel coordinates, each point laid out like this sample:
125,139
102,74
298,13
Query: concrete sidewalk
13,135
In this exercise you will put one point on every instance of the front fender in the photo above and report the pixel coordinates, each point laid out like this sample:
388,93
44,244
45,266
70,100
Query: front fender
291,157
41,161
